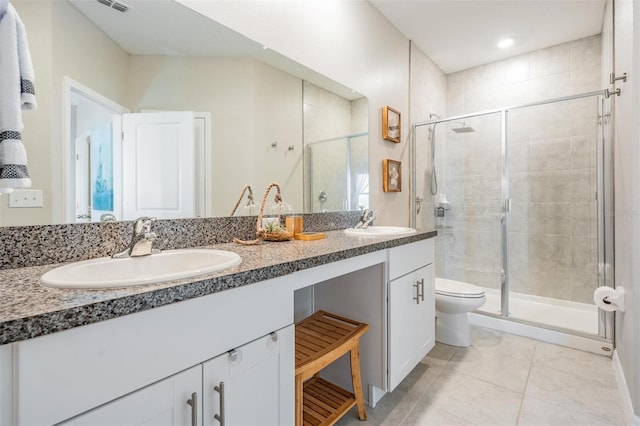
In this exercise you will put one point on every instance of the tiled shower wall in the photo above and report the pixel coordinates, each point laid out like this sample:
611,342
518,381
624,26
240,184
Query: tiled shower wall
552,159
428,96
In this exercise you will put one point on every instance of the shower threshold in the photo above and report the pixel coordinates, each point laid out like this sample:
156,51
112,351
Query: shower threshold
556,321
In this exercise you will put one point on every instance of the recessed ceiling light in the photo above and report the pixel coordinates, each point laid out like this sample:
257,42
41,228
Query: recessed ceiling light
506,42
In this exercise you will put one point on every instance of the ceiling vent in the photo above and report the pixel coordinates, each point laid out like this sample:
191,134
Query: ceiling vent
120,7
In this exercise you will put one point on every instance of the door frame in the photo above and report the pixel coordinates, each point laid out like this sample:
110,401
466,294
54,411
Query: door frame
67,190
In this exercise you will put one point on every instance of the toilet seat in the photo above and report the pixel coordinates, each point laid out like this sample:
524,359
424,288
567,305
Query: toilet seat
451,288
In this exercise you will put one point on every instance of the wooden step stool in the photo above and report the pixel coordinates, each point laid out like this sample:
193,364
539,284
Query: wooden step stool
321,339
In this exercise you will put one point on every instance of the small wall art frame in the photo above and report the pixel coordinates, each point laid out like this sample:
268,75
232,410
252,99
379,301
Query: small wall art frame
391,175
390,124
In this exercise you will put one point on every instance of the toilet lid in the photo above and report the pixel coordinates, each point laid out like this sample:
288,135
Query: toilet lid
453,288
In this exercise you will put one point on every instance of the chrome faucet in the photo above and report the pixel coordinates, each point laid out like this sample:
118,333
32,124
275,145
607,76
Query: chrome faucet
107,217
365,219
142,240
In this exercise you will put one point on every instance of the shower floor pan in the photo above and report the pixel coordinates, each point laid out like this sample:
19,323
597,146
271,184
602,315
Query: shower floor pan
580,317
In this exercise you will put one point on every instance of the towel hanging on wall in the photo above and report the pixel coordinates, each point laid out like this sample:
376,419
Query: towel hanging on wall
16,94
3,7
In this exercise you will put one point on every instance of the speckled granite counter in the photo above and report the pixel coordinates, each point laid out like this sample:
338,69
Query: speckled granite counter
29,310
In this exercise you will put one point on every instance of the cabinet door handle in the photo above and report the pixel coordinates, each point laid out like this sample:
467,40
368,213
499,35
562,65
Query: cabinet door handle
417,298
220,390
193,402
421,289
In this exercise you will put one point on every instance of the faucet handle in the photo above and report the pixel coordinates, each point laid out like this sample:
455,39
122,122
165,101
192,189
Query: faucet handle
150,236
367,213
143,225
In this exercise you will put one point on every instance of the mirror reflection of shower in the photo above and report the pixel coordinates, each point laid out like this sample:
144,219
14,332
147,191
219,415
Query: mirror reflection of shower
337,171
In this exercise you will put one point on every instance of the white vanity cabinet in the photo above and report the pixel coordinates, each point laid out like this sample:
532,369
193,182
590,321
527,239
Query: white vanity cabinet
411,303
231,352
168,402
251,385
84,371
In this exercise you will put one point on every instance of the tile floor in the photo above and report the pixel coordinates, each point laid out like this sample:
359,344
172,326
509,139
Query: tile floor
502,379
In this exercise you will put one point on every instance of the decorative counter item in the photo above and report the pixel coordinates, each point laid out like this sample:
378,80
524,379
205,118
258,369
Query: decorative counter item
294,224
310,236
273,230
390,124
249,209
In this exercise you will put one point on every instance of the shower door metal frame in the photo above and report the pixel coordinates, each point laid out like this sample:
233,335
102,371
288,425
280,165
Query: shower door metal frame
605,258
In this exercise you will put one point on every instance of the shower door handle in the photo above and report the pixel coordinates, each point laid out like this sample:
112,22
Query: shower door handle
419,201
507,205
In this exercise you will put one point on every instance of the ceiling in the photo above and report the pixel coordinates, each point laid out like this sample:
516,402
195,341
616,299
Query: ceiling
462,34
142,30
455,34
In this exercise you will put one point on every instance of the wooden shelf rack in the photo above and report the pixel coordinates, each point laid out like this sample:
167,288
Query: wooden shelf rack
321,339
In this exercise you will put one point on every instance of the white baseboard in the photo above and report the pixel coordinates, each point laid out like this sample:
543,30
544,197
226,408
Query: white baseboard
632,418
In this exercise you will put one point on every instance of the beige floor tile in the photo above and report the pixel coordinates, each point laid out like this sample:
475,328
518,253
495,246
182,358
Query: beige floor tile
474,400
400,412
564,389
482,385
536,413
420,379
579,363
440,355
504,344
506,371
392,409
428,415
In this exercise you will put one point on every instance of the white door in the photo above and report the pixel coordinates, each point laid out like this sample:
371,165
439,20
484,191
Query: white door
245,386
163,403
158,165
426,312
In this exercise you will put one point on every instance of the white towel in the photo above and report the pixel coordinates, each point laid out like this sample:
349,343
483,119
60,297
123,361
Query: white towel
3,7
16,93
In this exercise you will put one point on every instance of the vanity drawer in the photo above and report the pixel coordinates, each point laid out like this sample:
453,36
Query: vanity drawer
64,374
409,257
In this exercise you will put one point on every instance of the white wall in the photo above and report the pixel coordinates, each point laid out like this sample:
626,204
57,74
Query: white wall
627,190
351,43
237,92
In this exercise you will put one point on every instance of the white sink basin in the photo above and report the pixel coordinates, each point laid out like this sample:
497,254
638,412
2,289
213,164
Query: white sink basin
106,272
381,231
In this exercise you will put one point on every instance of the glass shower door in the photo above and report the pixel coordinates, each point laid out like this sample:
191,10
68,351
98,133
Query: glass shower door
554,220
468,202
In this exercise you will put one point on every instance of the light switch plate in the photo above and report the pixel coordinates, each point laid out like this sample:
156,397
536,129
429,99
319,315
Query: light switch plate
25,198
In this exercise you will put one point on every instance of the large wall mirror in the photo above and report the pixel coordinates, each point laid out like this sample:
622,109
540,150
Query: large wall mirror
157,110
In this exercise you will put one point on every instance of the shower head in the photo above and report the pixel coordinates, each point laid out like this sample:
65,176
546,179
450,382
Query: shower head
463,128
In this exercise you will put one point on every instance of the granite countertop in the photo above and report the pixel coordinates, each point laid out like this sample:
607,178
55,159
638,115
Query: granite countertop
28,310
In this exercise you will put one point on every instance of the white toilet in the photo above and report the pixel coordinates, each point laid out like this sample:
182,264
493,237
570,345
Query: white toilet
453,300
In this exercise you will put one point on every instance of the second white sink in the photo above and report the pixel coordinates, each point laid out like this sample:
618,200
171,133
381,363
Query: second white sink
106,272
381,231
